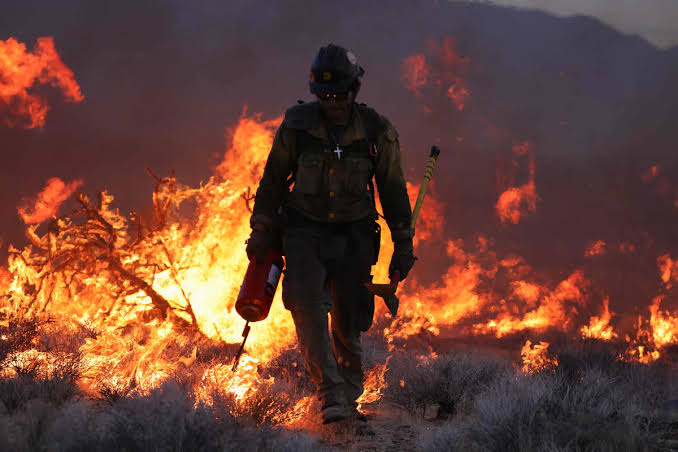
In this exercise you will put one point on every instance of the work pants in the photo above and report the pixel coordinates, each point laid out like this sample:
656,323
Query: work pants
326,268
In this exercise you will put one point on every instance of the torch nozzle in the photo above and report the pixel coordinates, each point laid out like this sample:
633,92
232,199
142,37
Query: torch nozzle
245,333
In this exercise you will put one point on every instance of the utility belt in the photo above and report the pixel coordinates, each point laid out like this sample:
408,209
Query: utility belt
367,226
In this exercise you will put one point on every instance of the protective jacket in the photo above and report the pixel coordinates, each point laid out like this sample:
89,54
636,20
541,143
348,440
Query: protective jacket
331,186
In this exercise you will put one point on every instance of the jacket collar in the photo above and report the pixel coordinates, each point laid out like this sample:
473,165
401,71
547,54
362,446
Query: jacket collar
354,132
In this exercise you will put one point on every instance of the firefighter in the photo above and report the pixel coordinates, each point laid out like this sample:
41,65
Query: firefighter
317,193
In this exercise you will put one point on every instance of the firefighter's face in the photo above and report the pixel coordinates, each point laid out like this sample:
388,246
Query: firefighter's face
337,107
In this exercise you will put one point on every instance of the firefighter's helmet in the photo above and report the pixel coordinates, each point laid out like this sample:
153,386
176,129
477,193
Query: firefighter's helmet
334,70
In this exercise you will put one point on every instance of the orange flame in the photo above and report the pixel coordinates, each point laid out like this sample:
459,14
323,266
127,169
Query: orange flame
48,200
375,384
529,292
598,326
20,71
664,325
551,310
516,202
668,269
452,65
535,357
251,141
662,328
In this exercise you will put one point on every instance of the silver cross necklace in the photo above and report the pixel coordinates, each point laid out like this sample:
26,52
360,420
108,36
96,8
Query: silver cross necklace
338,150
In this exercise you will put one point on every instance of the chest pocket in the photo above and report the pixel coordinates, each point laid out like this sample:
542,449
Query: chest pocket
358,172
309,173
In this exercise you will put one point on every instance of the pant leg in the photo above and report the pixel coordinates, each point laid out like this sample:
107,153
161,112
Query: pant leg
352,310
348,354
307,297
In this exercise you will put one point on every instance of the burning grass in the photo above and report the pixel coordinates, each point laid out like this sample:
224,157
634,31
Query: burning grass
596,404
448,383
44,403
590,401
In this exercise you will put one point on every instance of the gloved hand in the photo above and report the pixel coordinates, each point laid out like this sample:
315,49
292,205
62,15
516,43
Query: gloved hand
403,258
259,243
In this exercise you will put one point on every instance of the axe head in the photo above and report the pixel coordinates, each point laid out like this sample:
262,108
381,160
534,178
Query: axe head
392,304
387,292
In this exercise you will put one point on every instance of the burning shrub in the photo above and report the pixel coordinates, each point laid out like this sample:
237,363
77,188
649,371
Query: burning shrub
450,381
166,419
550,412
289,367
17,336
590,401
272,403
38,365
169,419
649,385
56,385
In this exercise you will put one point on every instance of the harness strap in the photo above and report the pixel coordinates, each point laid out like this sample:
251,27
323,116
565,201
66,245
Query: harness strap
373,125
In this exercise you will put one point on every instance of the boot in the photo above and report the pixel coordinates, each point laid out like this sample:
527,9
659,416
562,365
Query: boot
334,407
353,410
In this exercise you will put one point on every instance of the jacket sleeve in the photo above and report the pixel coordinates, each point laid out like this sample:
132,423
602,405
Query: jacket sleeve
273,184
392,186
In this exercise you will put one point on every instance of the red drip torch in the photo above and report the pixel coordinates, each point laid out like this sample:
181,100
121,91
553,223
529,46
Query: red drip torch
257,292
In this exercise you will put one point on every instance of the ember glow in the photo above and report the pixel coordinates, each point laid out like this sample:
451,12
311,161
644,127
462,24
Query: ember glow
22,71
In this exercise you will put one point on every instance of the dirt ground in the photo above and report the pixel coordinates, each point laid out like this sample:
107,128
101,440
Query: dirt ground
388,429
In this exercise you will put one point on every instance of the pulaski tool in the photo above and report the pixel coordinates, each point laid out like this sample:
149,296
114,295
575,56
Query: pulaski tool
388,291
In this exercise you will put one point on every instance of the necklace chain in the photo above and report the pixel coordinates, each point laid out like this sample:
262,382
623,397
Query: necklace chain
336,140
330,135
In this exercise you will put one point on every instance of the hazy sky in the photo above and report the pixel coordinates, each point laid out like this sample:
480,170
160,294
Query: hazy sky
654,20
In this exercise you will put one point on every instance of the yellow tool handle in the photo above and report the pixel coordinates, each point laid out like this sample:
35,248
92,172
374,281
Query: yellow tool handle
433,158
